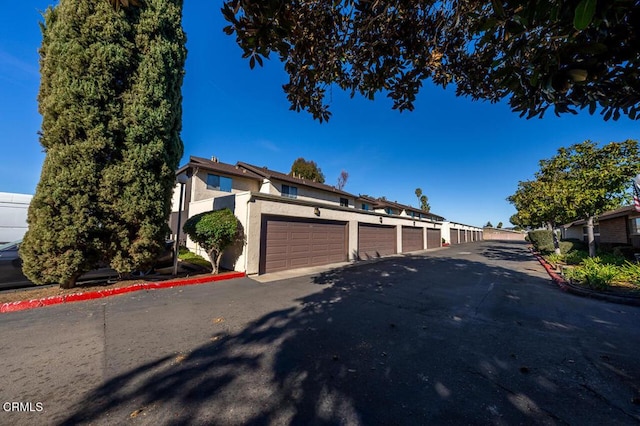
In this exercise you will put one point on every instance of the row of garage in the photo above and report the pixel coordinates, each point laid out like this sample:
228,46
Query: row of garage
289,243
459,236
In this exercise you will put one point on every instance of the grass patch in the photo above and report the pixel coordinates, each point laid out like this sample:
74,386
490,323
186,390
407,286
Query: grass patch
186,256
605,271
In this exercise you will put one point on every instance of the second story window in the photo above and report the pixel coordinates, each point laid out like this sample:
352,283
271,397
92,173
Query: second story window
364,207
289,191
344,202
219,183
388,210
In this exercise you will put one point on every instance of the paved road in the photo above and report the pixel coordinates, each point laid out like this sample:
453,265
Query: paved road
473,334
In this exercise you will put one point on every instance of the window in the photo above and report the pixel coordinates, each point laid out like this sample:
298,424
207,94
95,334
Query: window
289,191
365,207
388,210
344,202
220,183
635,225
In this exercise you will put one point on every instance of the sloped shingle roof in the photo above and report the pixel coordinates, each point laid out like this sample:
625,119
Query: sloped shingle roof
216,166
272,174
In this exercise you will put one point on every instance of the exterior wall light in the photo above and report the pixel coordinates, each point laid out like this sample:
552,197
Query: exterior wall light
316,211
380,219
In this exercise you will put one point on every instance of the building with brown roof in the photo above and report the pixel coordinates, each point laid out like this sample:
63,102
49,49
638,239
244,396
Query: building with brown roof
291,222
619,227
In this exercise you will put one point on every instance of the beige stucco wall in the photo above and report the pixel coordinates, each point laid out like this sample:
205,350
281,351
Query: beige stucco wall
263,206
250,208
238,184
573,232
235,257
309,194
503,234
267,187
447,226
175,198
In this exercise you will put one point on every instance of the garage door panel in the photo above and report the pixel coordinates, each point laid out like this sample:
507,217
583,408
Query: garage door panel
453,236
289,243
434,238
299,263
412,239
278,250
376,240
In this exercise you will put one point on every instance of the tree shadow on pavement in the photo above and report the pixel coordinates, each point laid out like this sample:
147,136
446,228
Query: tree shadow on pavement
508,250
411,340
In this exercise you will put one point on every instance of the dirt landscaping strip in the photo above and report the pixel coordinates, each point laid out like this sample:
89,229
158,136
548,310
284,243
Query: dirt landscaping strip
116,290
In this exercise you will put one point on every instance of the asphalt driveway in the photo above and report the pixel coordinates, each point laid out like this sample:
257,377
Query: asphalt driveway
472,334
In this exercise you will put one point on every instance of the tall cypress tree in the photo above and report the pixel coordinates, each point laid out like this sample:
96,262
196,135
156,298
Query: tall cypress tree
110,101
138,188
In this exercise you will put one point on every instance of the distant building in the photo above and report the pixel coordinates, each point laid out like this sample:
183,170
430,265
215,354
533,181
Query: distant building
13,216
619,227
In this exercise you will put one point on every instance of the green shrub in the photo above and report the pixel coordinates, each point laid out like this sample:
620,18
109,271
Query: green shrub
567,246
555,258
628,252
630,273
593,273
214,231
611,259
541,239
575,257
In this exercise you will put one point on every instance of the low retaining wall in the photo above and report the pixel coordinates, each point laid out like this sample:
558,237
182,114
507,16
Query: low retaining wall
503,234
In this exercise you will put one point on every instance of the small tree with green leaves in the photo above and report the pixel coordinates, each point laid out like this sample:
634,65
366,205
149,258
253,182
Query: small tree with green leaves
489,224
596,179
499,225
580,182
307,170
214,231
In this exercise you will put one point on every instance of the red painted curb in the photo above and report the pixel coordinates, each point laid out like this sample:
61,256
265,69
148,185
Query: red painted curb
78,297
566,287
555,277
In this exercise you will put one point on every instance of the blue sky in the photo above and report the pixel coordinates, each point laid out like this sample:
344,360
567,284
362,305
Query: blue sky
466,156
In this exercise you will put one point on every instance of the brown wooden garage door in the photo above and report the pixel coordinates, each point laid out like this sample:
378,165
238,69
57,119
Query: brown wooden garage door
463,236
376,240
412,239
433,238
453,236
289,243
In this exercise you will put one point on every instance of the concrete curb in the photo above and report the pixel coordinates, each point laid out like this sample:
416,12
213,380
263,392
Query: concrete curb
566,286
78,297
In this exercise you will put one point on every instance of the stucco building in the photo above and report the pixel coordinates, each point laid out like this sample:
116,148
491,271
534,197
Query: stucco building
290,222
